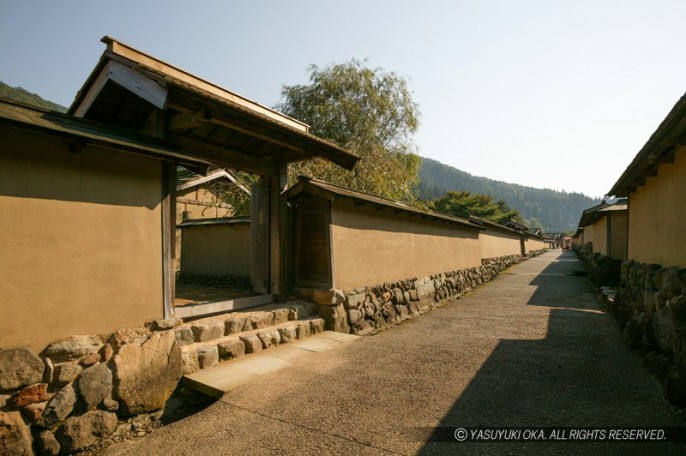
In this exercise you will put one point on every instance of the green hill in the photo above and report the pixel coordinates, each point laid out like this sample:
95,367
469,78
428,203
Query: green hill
24,96
552,210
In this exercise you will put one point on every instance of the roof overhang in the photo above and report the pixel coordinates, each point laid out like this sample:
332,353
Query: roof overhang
82,133
595,213
659,149
330,192
133,90
492,225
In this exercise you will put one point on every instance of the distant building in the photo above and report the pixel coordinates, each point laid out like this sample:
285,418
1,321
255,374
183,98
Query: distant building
605,227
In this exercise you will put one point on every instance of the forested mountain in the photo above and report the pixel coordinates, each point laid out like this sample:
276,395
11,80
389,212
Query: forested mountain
24,96
552,210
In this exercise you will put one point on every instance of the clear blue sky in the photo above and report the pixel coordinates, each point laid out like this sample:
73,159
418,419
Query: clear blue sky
550,94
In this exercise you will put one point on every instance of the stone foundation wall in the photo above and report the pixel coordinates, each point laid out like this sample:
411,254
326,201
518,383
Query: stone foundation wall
650,308
73,393
366,310
533,253
602,270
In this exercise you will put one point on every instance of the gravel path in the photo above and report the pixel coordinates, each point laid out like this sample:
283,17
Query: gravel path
531,348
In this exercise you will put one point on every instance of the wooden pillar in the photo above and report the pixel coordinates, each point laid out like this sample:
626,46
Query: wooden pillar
259,237
168,237
278,227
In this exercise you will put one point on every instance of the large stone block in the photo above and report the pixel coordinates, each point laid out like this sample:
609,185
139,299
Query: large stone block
269,338
94,385
47,444
19,367
287,334
81,432
317,325
15,438
59,407
363,327
189,359
354,316
208,356
146,368
353,301
335,318
231,348
280,316
165,324
328,297
236,324
253,344
72,348
203,332
303,330
671,283
30,395
33,412
425,288
66,373
663,328
261,319
184,335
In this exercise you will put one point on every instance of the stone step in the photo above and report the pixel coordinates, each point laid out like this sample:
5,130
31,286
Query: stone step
229,375
205,354
216,327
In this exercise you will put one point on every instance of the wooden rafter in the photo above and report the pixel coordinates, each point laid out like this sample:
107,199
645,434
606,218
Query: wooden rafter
229,158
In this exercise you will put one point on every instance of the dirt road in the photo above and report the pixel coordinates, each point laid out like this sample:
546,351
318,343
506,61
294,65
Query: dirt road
531,348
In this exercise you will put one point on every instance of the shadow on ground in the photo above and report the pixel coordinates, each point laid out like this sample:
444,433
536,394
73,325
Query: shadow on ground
579,375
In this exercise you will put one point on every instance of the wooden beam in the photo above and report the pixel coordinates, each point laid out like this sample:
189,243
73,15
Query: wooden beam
300,147
209,308
185,121
227,157
252,129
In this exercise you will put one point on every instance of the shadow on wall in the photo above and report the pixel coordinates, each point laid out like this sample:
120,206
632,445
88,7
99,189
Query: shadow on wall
579,375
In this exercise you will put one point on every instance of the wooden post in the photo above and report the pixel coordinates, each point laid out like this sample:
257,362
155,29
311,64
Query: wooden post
168,237
278,226
259,237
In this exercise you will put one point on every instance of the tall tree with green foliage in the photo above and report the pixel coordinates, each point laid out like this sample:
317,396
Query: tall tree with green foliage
464,204
368,111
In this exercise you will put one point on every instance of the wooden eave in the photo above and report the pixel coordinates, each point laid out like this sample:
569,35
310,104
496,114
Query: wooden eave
595,213
200,118
330,192
82,132
492,225
659,149
215,221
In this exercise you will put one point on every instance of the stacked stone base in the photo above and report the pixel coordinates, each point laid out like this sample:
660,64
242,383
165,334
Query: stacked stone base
650,308
208,341
602,270
363,311
73,394
81,390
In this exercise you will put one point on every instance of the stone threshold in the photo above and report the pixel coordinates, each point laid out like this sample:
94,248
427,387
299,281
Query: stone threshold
226,376
208,341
